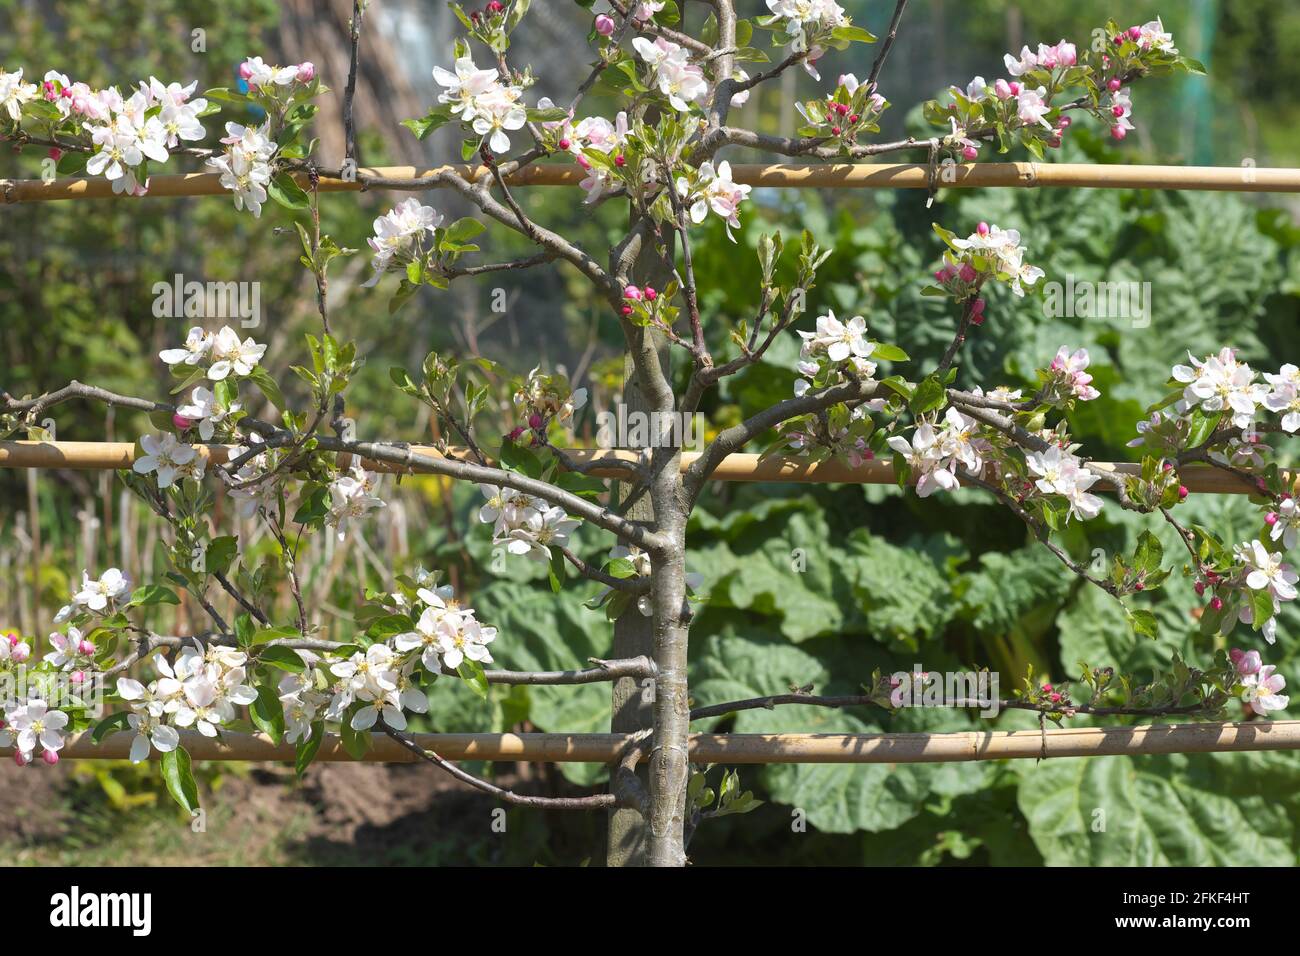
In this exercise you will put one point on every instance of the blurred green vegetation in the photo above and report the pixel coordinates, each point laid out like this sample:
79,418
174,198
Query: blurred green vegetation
890,581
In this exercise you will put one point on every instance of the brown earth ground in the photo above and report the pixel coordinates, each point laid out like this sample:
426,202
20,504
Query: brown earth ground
106,813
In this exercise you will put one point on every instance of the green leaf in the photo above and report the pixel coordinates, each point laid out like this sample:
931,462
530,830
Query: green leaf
853,34
929,396
472,673
220,552
305,752
180,779
355,742
1155,811
285,658
110,724
285,190
1143,622
151,594
268,634
888,353
462,230
263,380
1149,554
1202,427
267,713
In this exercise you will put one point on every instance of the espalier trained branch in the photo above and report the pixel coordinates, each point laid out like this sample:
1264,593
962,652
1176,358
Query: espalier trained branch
660,154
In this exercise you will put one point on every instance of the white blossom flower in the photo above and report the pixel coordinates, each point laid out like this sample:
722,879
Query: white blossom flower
34,723
837,340
351,500
230,356
1220,384
539,531
14,93
469,641
924,455
1267,570
1260,690
398,233
96,594
205,409
150,729
198,344
165,456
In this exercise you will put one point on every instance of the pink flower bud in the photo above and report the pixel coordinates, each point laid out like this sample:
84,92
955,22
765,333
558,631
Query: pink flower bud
854,118
1047,688
977,319
1119,39
1216,604
20,653
1114,84
1134,33
564,144
1182,491
651,294
51,757
181,422
626,310
77,677
1054,142
516,432
967,272
55,153
534,421
1236,654
1199,587
1002,90
1117,111
632,292
245,71
306,72
584,162
1064,122
494,7
969,153
605,25
1118,132
1055,698
835,131
977,307
85,647
620,161
21,758
1014,87
982,229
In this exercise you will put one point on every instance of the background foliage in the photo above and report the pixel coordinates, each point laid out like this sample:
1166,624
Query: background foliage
890,582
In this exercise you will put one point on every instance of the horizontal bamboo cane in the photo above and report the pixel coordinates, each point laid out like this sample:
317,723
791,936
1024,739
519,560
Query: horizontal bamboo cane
779,175
107,456
1232,736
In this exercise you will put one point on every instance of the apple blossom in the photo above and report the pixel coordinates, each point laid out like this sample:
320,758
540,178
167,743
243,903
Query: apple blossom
399,235
1267,571
351,498
1260,690
205,409
14,93
166,458
714,190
